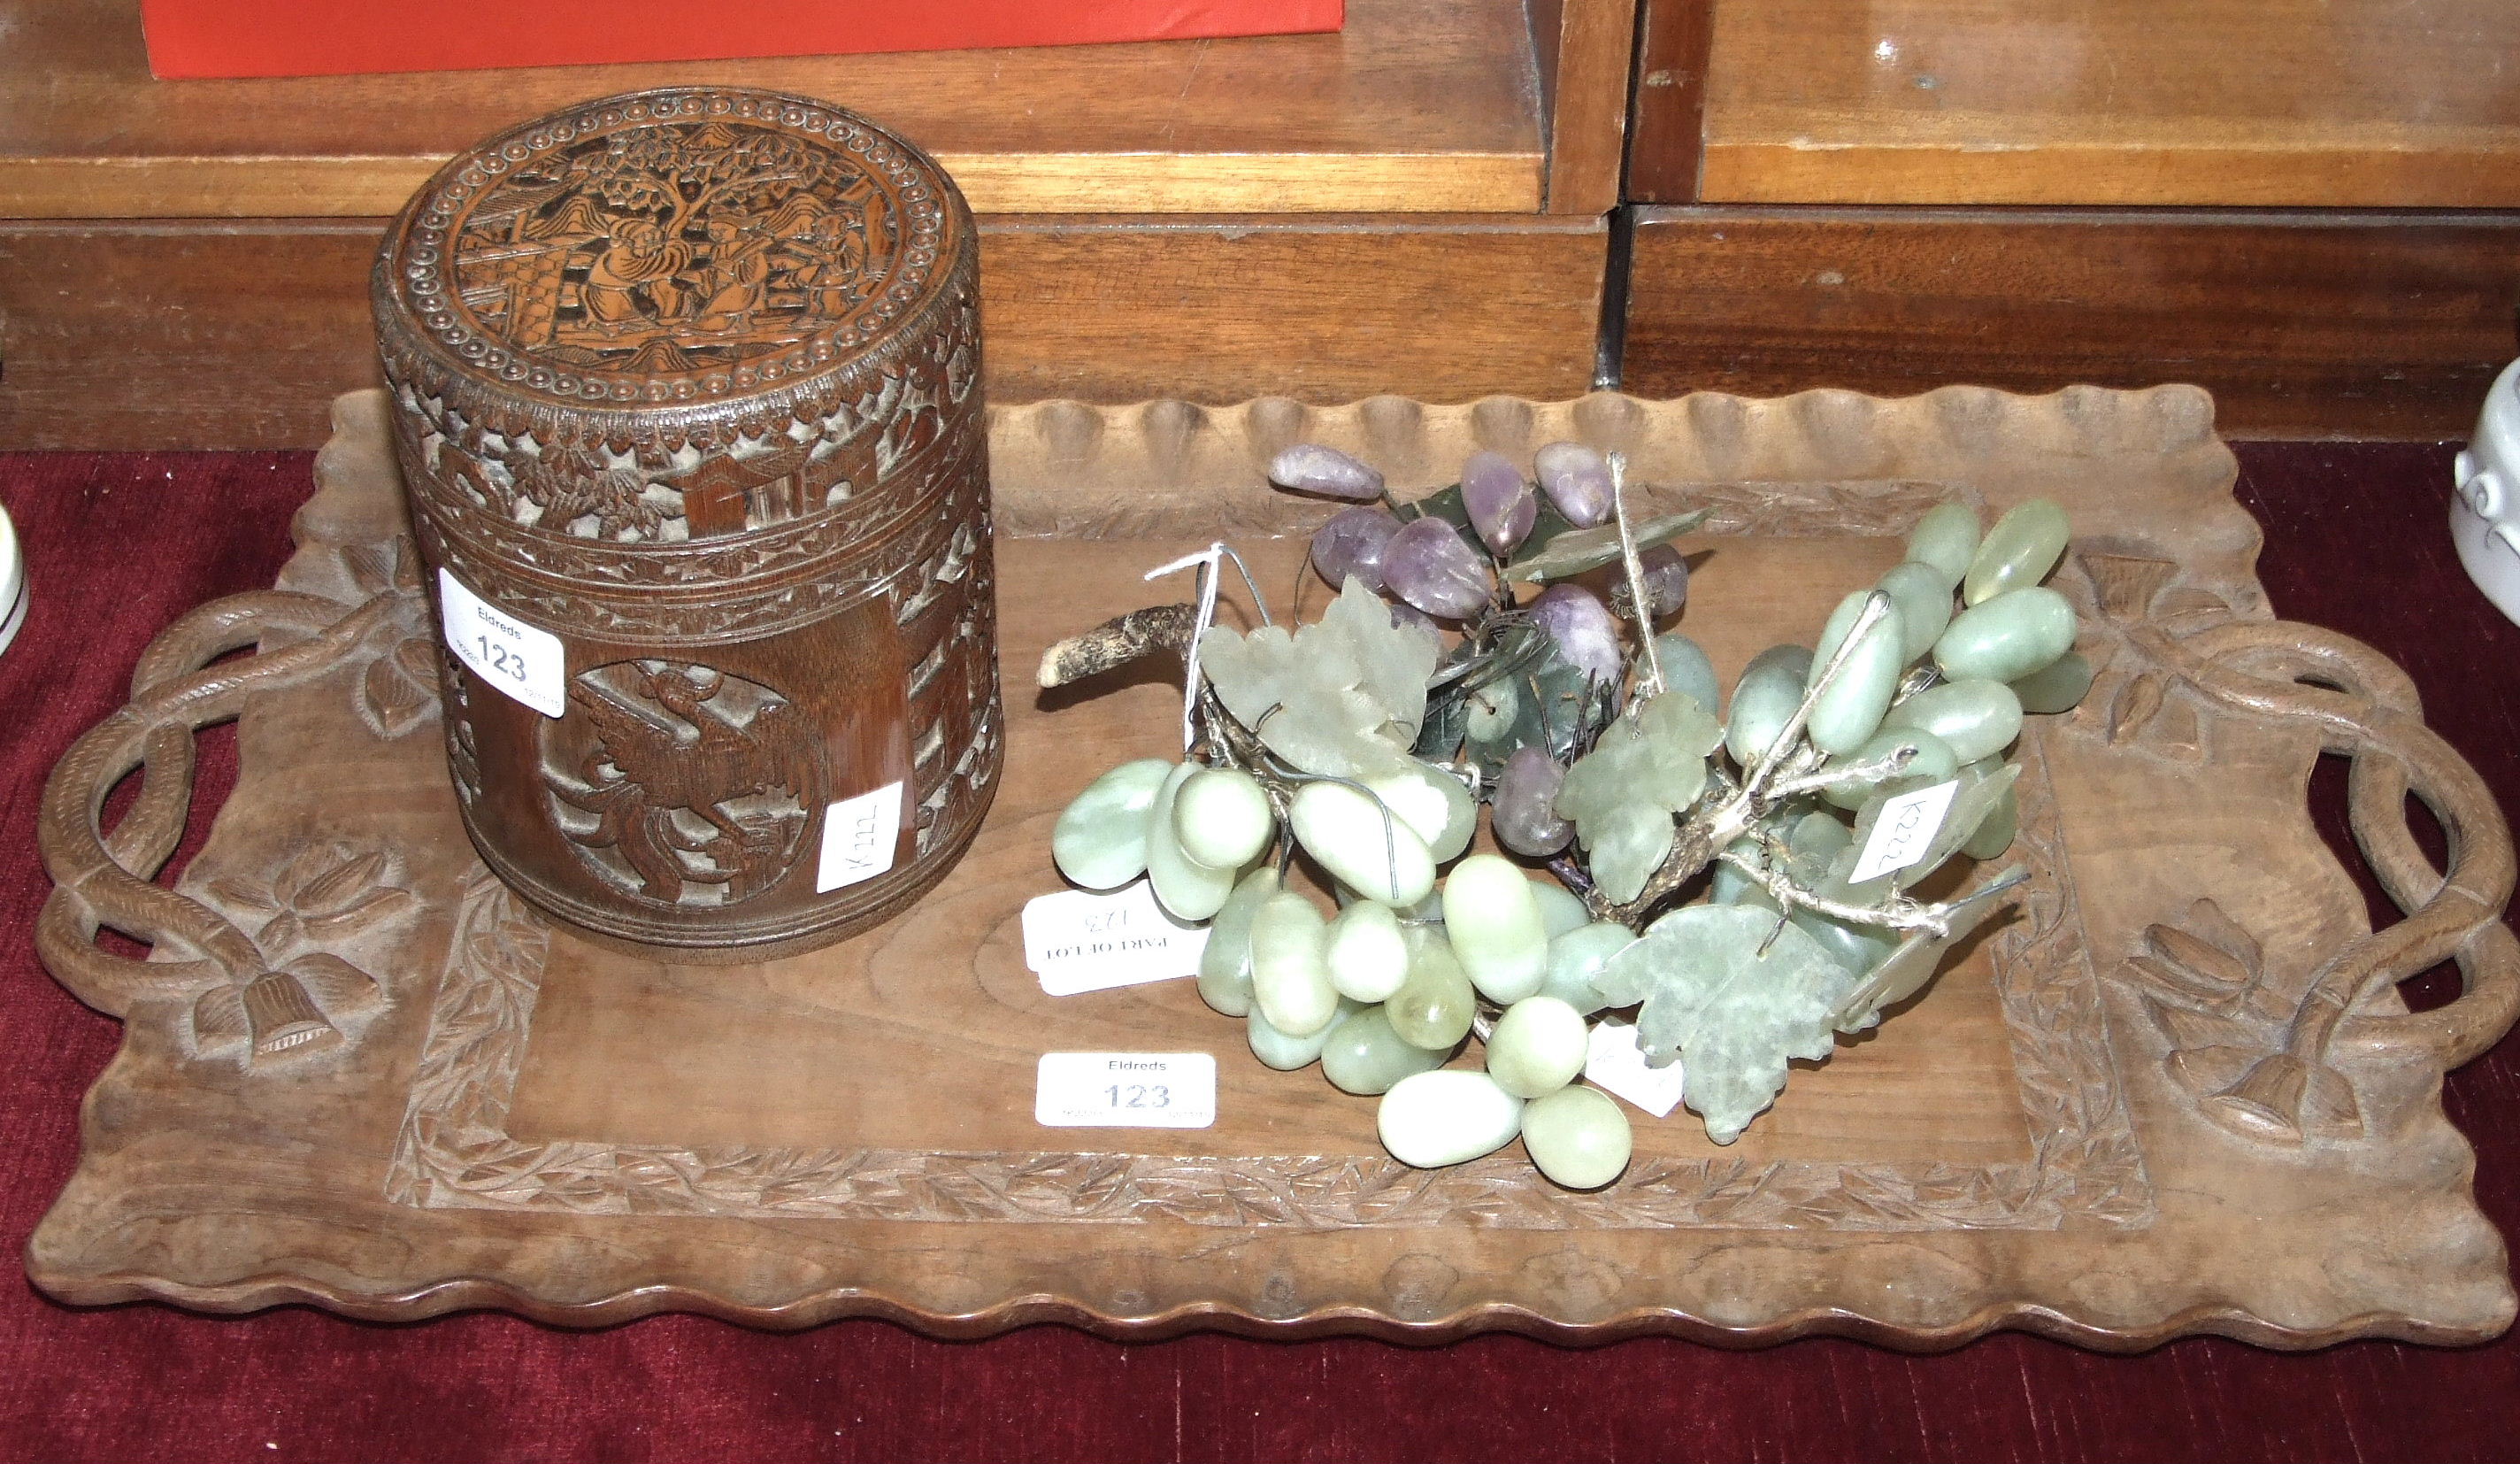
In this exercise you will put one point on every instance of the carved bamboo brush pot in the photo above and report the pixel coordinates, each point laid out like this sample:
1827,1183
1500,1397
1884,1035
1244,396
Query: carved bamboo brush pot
688,409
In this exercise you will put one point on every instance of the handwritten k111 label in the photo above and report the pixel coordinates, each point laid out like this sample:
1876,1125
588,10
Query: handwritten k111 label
522,660
1904,832
1615,1064
1125,1090
1077,940
859,838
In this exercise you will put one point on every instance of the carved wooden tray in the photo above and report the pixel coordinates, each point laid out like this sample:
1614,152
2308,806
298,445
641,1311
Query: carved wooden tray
2178,1093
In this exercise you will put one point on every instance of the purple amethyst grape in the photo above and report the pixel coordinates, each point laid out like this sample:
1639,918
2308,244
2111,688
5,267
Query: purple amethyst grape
1310,468
1428,564
1404,615
1577,481
1524,809
1501,504
1587,637
1666,578
1351,544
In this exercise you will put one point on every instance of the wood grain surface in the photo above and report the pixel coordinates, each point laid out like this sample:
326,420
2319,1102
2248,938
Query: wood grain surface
1666,141
203,334
2186,931
1417,106
1584,48
2301,325
2341,102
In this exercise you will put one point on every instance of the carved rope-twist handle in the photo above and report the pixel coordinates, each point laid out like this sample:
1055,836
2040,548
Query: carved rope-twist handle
105,880
2368,710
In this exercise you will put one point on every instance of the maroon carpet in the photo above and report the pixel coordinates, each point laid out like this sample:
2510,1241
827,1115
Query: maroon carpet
119,545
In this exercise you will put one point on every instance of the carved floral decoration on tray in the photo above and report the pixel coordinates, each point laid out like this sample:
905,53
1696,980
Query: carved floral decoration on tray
325,895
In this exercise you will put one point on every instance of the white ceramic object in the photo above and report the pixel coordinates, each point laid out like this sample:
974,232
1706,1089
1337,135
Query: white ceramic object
13,582
2484,512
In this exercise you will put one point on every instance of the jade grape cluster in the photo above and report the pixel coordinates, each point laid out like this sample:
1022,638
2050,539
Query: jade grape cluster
1502,643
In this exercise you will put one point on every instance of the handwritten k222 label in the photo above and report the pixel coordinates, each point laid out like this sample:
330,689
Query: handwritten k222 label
522,662
859,836
1904,831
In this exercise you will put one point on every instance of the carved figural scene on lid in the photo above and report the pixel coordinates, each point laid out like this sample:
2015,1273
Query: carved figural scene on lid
688,407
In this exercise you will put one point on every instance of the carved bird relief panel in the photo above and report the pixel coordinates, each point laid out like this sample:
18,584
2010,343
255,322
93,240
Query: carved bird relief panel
682,785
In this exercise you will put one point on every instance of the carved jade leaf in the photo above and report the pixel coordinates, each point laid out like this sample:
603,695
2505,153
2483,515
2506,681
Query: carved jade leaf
1904,972
1648,766
1580,549
1732,1014
1342,697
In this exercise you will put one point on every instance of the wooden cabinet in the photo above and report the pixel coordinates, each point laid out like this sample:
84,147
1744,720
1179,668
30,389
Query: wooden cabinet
2303,205
1417,204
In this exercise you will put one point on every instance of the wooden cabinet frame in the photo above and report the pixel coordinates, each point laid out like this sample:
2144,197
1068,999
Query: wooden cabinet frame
1416,204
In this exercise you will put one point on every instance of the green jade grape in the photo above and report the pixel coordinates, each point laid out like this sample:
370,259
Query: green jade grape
1435,806
1366,956
1286,1053
1185,887
1290,983
2059,687
1365,1056
1101,838
1576,957
2017,633
1857,947
1764,700
1945,540
1224,965
1494,927
2017,552
1932,760
1812,843
1994,834
1448,1117
1221,817
1363,844
1851,710
1559,910
1687,670
1492,709
1537,1047
1975,719
1578,1137
1924,604
1434,1007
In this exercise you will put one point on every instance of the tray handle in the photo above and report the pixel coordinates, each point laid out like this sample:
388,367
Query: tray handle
104,879
2368,710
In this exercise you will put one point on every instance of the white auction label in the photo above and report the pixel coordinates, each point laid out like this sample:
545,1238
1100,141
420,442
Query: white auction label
1904,831
1615,1064
859,838
1125,1090
519,659
1080,940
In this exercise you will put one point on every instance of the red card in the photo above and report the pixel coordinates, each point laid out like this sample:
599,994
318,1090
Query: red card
328,37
